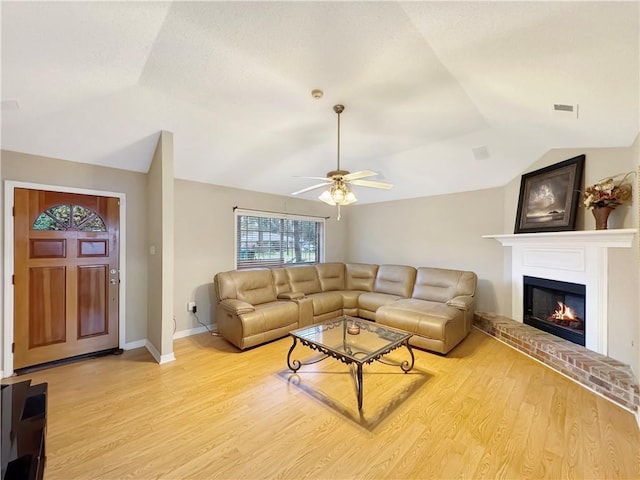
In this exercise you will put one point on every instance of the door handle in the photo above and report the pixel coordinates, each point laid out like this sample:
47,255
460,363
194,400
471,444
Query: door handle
114,279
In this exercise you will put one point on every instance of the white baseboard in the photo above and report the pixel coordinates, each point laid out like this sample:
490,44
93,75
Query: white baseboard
638,418
194,331
136,344
152,350
169,357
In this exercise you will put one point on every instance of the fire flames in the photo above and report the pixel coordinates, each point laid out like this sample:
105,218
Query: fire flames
565,315
564,312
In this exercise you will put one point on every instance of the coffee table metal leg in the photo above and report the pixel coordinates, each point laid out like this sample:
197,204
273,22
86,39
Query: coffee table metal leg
293,364
406,366
360,387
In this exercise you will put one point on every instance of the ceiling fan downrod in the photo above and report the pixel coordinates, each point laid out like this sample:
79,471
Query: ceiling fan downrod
338,109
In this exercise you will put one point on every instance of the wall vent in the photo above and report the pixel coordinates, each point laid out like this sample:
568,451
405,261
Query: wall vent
559,107
563,110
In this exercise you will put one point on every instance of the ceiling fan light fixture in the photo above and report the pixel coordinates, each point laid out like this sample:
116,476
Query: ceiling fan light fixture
338,194
350,198
326,198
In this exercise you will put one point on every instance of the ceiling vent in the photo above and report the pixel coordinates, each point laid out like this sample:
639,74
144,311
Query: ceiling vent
480,153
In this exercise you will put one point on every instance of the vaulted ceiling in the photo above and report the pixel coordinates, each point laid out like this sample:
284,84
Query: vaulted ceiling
440,96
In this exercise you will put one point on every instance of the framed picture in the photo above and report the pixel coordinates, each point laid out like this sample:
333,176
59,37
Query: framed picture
549,197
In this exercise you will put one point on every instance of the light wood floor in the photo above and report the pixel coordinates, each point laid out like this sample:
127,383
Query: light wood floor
484,411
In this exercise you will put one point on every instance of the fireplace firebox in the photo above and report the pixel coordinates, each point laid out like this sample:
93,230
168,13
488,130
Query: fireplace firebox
556,307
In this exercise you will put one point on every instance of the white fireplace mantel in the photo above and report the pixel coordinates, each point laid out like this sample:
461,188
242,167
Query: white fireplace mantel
576,257
621,237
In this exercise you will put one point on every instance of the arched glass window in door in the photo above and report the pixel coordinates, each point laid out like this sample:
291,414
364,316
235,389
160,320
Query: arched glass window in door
69,217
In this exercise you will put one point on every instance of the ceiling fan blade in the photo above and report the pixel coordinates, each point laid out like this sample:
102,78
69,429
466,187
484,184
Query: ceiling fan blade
360,174
326,179
311,188
369,183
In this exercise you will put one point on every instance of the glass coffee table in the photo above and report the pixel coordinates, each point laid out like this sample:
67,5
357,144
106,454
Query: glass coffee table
352,341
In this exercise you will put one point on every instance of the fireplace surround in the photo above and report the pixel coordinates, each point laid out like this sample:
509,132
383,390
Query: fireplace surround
579,257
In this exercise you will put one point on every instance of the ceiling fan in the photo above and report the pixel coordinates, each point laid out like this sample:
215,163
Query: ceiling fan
339,180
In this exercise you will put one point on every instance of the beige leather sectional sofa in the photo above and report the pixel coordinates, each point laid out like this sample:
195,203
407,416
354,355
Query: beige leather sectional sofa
256,306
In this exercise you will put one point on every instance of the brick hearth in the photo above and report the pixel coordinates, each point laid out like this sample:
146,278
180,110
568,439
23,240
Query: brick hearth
604,375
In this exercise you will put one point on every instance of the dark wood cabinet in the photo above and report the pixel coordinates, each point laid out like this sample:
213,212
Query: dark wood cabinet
24,425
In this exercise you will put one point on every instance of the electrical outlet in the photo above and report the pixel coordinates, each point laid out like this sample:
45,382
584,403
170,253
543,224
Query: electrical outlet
191,307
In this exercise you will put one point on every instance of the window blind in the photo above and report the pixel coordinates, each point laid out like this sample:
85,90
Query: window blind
265,239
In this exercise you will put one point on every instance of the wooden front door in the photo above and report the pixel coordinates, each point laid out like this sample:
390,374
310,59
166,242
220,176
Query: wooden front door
66,279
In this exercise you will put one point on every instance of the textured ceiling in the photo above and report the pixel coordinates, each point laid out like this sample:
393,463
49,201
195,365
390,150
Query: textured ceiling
424,84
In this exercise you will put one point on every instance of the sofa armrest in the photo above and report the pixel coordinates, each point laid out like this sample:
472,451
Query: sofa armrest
237,307
290,296
461,302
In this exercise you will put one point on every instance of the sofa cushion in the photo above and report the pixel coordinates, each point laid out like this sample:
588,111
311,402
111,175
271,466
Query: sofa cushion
251,286
360,276
371,301
269,316
420,317
441,285
325,302
395,280
280,281
303,279
350,298
331,276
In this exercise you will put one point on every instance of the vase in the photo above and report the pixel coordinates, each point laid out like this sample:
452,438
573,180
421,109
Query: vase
601,214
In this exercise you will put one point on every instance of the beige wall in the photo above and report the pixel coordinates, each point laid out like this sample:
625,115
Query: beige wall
160,247
153,250
49,171
635,153
441,231
168,253
204,239
624,267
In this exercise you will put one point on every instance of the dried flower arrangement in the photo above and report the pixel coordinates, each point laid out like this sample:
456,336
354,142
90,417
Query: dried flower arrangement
608,192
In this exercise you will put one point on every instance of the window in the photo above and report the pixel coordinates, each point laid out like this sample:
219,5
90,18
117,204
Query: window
274,240
69,217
